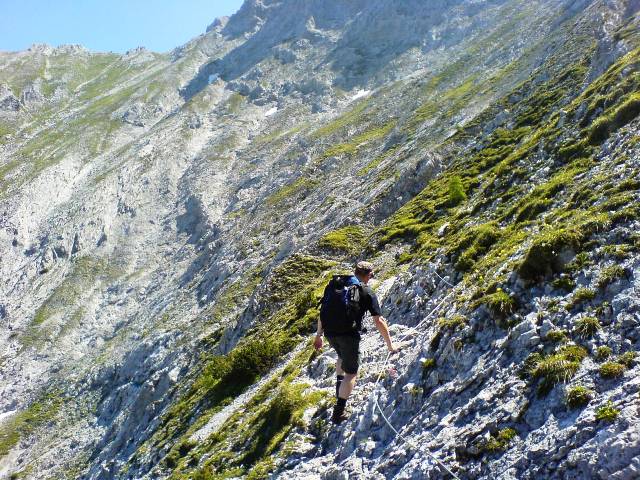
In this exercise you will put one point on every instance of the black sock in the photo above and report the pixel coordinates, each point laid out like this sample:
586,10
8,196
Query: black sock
341,403
339,379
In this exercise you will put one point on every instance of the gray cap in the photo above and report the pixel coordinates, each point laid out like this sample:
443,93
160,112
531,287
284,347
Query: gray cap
364,267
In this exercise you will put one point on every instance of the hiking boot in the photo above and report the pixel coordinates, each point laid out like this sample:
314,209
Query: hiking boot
339,415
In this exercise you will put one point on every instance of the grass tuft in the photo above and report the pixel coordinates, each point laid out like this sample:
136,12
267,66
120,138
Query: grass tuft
587,327
578,397
456,191
612,370
352,147
581,295
603,352
610,274
627,359
500,303
565,283
428,364
554,368
607,412
558,336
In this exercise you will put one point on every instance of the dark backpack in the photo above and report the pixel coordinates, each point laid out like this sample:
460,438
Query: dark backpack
340,309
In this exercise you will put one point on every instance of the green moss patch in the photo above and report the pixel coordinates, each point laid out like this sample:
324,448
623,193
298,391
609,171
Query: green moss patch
356,143
87,274
350,240
605,125
251,439
235,103
452,323
356,116
297,189
574,149
428,364
457,194
499,442
474,244
5,131
235,294
296,273
26,422
375,163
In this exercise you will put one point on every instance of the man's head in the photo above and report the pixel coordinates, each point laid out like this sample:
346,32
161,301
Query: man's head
364,271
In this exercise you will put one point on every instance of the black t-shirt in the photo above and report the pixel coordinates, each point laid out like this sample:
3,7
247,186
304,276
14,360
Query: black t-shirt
369,302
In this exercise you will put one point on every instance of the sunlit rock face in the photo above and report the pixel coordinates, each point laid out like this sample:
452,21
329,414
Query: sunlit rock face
169,221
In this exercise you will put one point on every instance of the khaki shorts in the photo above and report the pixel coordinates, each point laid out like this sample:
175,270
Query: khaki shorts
348,348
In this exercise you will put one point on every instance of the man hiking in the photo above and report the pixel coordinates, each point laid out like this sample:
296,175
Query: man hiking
346,300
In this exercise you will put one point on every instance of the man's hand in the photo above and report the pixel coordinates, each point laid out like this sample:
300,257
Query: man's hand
317,342
393,348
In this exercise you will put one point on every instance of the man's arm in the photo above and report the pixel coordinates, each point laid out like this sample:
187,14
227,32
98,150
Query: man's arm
317,341
381,325
380,321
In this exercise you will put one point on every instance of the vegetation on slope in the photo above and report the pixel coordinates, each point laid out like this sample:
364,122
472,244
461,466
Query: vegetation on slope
291,313
24,423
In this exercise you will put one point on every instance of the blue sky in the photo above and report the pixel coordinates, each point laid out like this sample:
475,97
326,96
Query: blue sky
108,25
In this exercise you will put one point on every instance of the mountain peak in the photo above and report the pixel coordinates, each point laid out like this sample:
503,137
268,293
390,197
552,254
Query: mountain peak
218,24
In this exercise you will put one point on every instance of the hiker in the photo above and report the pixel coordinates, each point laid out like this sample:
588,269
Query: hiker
346,299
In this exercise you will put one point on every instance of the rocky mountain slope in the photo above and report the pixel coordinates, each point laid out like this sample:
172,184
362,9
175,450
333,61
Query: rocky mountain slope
169,222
